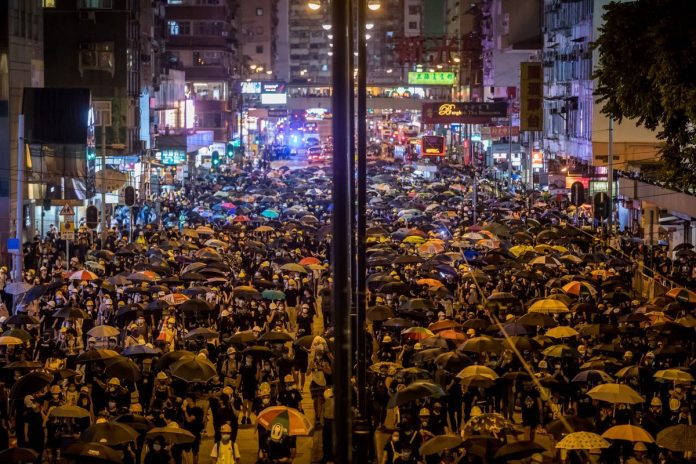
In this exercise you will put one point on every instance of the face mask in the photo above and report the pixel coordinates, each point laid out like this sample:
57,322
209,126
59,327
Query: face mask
265,400
112,404
156,447
225,437
395,439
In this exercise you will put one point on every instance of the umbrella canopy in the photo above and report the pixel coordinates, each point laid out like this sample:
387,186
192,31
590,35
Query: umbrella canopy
562,332
518,450
193,370
103,331
291,421
548,306
83,275
682,294
615,393
628,432
173,435
674,375
110,433
582,441
30,383
18,455
91,452
477,371
74,412
416,390
678,438
439,443
96,355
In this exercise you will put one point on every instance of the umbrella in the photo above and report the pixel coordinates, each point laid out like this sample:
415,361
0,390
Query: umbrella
292,421
558,427
629,433
477,370
682,294
110,433
204,332
174,435
276,337
83,275
273,295
380,313
482,345
18,455
439,443
292,267
561,351
592,375
195,305
678,438
96,355
582,441
192,370
175,299
416,390
135,421
30,383
615,393
548,306
562,332
491,423
74,412
518,450
91,452
6,340
17,288
22,319
172,357
141,350
579,288
537,319
674,375
123,368
103,331
71,313
417,333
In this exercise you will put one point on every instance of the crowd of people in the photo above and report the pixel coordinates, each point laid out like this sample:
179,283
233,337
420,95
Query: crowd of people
498,331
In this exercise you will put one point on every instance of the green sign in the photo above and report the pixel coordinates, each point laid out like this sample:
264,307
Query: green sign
171,156
431,78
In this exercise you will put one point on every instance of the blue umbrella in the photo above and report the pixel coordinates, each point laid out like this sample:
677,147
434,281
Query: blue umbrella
270,214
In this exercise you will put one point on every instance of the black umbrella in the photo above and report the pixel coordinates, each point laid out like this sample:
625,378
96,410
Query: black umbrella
518,450
171,357
92,452
22,319
31,383
70,312
195,305
17,455
109,433
136,422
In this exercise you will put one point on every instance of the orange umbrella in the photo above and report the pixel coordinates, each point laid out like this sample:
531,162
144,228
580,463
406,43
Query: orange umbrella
309,260
453,335
443,325
417,333
83,275
175,299
430,282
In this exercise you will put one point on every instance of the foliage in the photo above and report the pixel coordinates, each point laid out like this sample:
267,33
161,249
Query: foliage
647,72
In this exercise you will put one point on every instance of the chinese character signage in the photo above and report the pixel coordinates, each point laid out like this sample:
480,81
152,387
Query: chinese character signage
537,159
462,112
431,78
531,97
498,132
171,156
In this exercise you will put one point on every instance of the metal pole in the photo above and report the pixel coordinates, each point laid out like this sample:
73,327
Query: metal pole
19,214
103,186
474,162
340,246
509,160
610,176
361,338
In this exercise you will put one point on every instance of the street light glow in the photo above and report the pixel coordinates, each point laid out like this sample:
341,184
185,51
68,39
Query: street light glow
374,5
313,5
368,36
326,27
369,26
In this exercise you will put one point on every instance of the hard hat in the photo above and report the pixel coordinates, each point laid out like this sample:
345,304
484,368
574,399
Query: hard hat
225,428
386,339
418,346
114,381
171,320
655,401
289,379
55,389
161,376
264,389
424,412
227,391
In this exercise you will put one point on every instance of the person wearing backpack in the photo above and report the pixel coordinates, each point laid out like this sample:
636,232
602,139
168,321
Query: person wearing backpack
225,451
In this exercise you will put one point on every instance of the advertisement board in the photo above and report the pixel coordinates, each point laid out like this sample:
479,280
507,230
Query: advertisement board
531,96
431,78
537,159
462,112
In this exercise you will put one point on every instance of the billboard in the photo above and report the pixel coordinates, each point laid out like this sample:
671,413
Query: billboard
537,159
249,87
462,112
431,78
531,97
274,99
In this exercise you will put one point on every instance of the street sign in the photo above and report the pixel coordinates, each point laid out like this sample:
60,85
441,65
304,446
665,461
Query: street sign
602,206
431,78
277,113
67,230
67,210
577,193
13,245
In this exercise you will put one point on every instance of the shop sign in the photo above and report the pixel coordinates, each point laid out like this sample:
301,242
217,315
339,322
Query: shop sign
462,112
431,78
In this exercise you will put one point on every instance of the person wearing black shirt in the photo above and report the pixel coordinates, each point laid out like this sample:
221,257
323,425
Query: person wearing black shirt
193,422
290,396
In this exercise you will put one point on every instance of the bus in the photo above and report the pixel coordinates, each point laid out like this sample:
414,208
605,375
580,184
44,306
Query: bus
432,145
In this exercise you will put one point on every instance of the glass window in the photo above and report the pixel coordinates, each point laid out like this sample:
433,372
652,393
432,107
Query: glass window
97,56
413,9
207,58
259,12
173,27
95,4
259,49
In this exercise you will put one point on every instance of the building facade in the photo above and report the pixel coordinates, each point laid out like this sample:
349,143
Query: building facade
21,51
257,35
310,43
201,38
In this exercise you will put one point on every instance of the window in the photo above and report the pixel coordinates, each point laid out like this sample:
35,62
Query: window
259,49
207,58
259,12
184,27
49,3
213,120
173,27
413,9
95,4
97,56
413,25
209,28
102,112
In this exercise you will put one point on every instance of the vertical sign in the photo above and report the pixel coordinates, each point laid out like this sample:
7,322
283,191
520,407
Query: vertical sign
531,97
537,159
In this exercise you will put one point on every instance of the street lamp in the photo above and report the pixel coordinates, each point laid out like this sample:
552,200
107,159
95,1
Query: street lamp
374,5
326,27
369,26
314,5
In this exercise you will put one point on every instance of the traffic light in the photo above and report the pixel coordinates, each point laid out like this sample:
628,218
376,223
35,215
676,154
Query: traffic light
577,193
129,195
229,149
602,206
92,217
215,159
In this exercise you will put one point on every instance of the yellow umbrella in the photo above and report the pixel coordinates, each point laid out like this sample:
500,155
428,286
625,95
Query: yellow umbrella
543,248
549,306
483,371
414,239
430,283
562,331
674,375
571,258
261,229
560,248
629,433
8,341
582,441
615,393
518,250
488,243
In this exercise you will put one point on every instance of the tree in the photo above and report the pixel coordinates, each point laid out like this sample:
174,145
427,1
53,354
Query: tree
647,72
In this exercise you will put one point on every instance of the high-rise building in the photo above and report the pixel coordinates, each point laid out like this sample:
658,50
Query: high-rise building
21,51
201,36
464,23
257,36
310,43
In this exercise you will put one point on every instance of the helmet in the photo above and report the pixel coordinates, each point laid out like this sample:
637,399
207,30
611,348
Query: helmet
171,320
424,412
655,401
289,379
264,389
225,428
114,381
227,390
418,346
161,376
386,339
55,389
